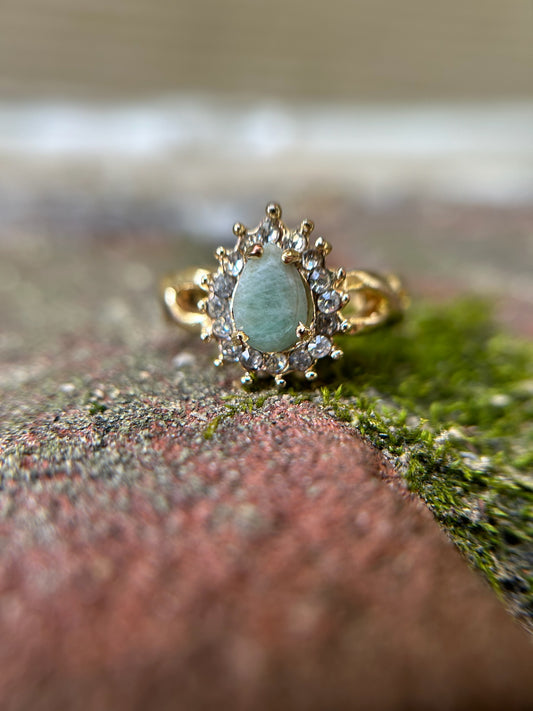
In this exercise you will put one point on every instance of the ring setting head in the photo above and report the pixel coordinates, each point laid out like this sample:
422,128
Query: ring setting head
273,305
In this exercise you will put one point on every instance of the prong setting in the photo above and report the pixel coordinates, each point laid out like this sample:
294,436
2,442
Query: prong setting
247,379
307,227
340,276
240,338
322,246
344,327
290,256
256,251
302,331
239,230
273,210
280,381
323,289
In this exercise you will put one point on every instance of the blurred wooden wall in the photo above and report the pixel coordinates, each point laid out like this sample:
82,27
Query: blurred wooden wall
353,49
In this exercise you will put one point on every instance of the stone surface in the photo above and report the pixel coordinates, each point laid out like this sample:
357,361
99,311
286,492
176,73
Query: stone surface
270,300
277,564
170,542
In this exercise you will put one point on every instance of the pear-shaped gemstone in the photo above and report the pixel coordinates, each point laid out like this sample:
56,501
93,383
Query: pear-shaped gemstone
270,300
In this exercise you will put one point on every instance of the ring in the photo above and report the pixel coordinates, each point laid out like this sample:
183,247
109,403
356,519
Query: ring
273,305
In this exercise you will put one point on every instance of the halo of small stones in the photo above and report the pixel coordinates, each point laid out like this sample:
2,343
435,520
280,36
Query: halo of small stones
324,285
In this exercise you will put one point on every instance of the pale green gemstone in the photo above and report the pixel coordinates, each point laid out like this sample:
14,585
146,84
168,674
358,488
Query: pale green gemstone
270,300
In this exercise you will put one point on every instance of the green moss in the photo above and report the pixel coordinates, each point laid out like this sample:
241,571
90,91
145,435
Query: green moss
448,397
95,408
233,406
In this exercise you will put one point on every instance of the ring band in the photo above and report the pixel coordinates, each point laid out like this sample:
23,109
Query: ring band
273,305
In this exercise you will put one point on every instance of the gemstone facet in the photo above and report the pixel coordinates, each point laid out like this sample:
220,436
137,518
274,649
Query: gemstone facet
320,280
234,263
216,307
311,259
327,324
276,362
231,351
294,241
300,359
319,346
329,302
251,359
223,285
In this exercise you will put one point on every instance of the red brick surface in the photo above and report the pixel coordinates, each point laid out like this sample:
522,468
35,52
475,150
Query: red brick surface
280,564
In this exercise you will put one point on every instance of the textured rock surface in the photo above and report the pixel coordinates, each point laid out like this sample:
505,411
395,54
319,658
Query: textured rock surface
279,563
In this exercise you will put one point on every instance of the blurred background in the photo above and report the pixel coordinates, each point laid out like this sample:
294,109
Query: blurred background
405,130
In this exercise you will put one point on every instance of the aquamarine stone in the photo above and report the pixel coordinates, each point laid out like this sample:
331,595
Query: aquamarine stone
270,300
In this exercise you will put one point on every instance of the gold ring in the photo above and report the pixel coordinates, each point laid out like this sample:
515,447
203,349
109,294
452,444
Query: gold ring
273,305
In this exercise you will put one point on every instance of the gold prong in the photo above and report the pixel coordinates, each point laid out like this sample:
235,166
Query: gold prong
307,227
256,251
336,353
322,245
345,298
280,381
273,210
239,230
340,276
239,338
218,362
302,331
290,256
204,281
344,327
310,374
202,305
206,334
220,253
246,379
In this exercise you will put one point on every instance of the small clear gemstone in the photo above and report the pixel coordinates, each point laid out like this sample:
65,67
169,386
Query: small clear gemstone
221,327
265,227
269,231
223,285
231,351
254,238
273,236
294,241
327,324
216,306
311,259
234,263
320,280
300,359
329,302
251,359
319,346
275,362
